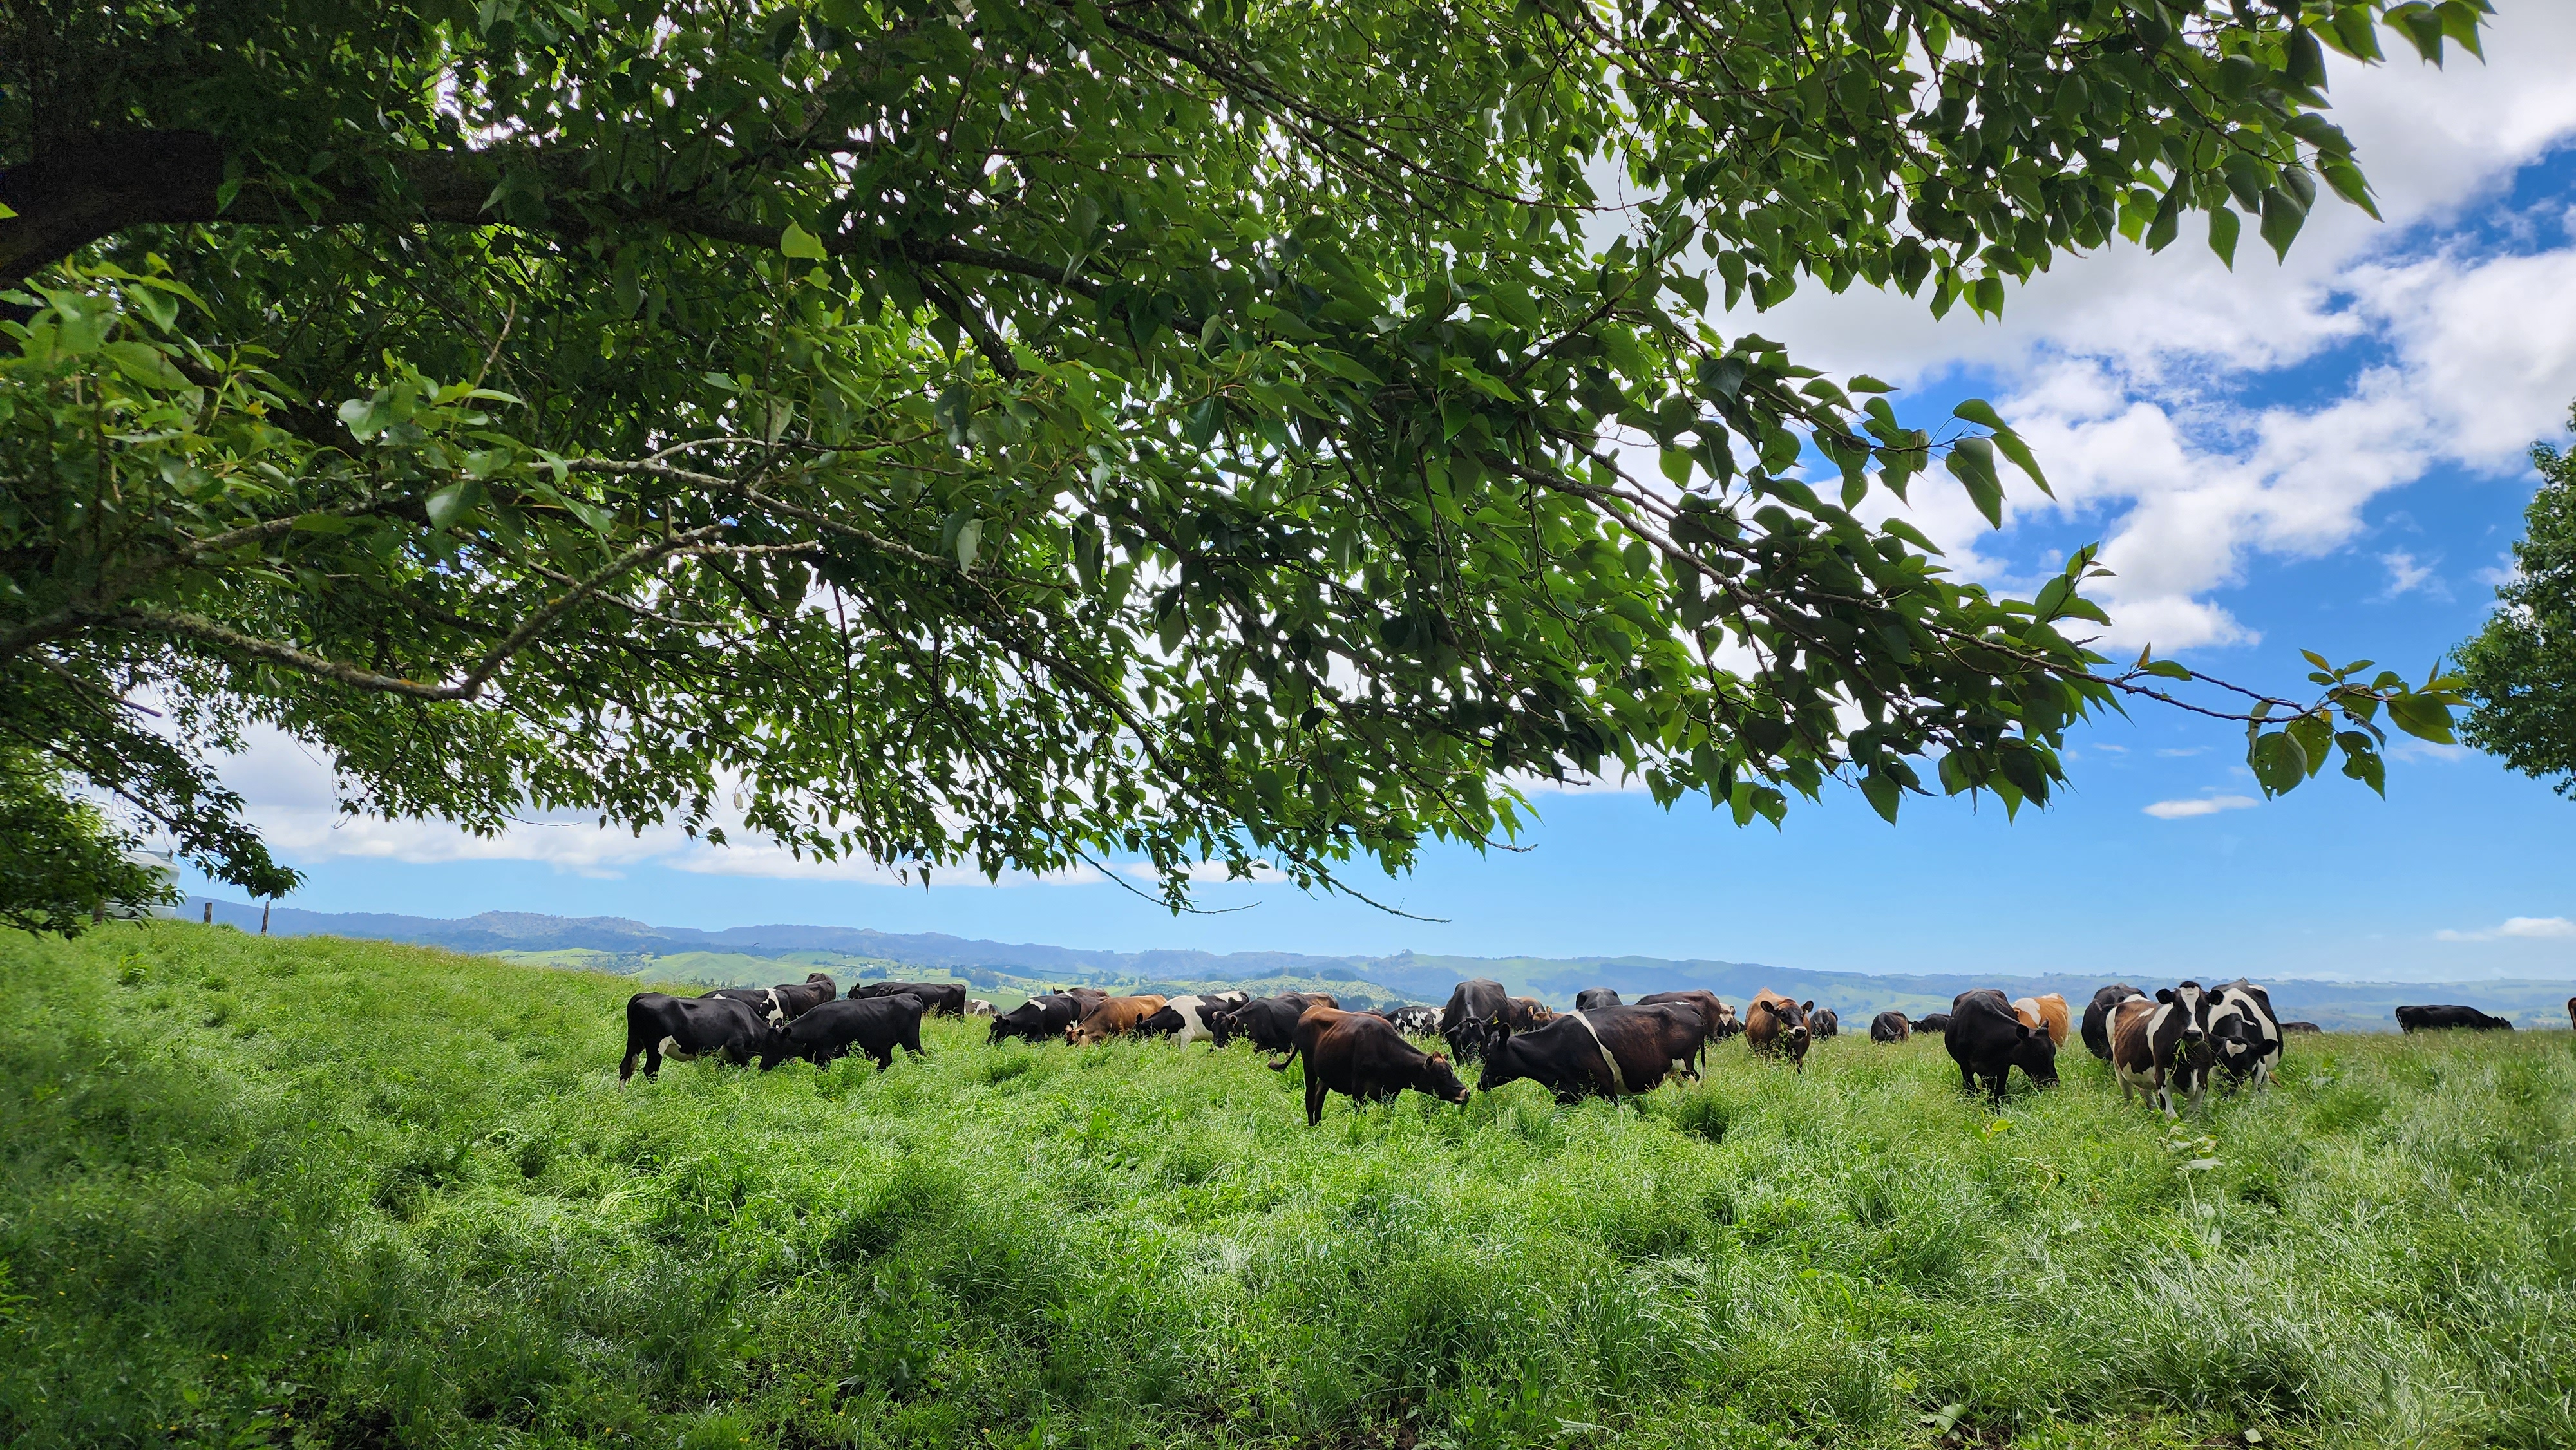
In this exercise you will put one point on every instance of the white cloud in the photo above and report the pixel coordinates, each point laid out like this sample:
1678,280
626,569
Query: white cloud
2526,928
2406,576
2203,806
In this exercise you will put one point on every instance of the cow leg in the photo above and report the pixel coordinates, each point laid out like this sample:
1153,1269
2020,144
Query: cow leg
1967,1079
1315,1100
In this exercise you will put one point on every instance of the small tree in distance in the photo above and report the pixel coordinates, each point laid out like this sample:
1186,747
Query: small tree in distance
1009,435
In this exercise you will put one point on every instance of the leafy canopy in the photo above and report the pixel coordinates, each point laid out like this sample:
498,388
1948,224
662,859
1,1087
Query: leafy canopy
1011,435
2520,671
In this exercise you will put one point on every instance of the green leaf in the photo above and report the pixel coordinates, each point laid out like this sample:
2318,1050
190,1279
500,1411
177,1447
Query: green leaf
2278,762
1883,795
800,243
454,502
1972,462
2316,736
970,537
2422,718
2223,227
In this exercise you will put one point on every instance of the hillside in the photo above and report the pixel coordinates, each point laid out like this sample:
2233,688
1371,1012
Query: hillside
327,1193
1005,970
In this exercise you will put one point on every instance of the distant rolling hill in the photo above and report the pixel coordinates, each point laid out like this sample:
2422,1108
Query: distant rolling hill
1005,969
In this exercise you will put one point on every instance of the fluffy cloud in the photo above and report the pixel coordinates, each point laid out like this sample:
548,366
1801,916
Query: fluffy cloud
2526,928
2130,372
2209,805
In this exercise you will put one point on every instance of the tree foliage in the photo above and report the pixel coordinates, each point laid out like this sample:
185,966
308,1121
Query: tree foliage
1014,435
2520,671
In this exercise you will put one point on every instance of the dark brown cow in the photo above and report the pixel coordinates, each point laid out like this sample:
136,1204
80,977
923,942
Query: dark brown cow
1827,1023
1715,1015
1777,1027
2571,1011
1114,1017
1361,1056
1527,1014
1609,1051
1591,997
1890,1027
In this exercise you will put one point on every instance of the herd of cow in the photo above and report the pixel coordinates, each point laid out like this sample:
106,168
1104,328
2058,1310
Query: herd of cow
2174,1042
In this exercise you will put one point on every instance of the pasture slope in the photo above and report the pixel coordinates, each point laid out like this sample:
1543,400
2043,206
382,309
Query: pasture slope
320,1192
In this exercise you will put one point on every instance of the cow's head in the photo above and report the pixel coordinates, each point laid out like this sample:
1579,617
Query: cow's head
823,984
2191,1003
1503,1064
1440,1080
2035,1052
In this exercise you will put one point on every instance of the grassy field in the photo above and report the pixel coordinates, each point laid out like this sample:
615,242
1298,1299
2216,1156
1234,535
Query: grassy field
330,1193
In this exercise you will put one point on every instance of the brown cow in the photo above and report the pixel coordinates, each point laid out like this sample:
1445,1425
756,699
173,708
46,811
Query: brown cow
1777,1027
2048,1012
2571,1011
1361,1056
1113,1017
1527,1014
1713,1013
1890,1027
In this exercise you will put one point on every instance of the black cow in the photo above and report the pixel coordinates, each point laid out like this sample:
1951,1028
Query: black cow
944,999
1269,1022
1591,997
2287,1027
1609,1051
876,1026
1988,1040
2097,1017
1361,1056
659,1025
1826,1023
1933,1022
785,1002
2430,1019
1890,1027
1039,1019
1476,1018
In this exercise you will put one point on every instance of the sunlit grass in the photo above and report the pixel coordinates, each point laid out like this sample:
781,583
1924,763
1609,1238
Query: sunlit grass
310,1191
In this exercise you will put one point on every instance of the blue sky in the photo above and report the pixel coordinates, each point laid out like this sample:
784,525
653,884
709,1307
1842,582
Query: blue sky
2325,454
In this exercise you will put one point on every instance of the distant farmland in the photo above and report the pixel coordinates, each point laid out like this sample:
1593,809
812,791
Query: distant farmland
319,1192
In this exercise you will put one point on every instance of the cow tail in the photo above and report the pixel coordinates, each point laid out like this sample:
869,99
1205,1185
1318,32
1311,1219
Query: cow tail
1282,1064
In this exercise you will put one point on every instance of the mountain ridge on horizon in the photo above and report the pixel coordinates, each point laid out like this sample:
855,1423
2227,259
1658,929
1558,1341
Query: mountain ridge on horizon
1415,975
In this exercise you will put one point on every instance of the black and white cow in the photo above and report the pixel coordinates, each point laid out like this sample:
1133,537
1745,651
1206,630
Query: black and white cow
2159,1045
875,1026
659,1025
1039,1019
978,1007
1415,1020
1182,1019
785,1002
1591,997
2247,1034
2430,1019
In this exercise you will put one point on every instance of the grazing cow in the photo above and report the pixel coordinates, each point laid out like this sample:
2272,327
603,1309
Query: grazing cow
1933,1022
2157,1045
1988,1039
2048,1012
1182,1019
1039,1019
2571,1012
1361,1056
763,1001
1476,1018
1715,1015
2430,1019
1826,1023
1114,1017
1609,1051
1591,997
944,999
1774,1026
1890,1027
2247,1034
1270,1023
2288,1027
875,1026
659,1025
785,1002
978,1007
2097,1017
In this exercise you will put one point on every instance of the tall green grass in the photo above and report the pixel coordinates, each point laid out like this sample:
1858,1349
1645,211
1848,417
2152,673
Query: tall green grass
332,1193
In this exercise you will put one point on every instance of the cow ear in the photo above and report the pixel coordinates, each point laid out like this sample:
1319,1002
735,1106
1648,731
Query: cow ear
2164,994
1807,1006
